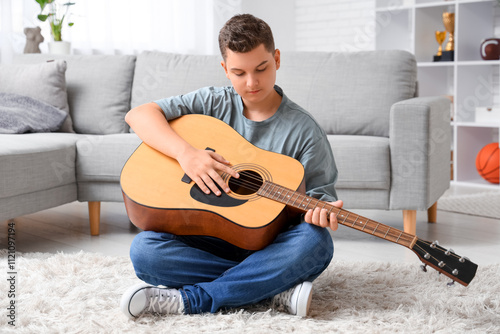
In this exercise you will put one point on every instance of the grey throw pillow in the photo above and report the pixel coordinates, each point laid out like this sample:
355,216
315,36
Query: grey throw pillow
21,114
45,82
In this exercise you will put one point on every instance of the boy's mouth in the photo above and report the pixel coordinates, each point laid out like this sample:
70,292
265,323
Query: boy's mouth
254,91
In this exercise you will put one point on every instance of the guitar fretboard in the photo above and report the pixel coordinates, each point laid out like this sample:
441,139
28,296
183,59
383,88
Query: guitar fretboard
304,203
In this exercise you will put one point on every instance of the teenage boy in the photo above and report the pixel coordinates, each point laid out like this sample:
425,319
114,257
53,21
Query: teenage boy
193,274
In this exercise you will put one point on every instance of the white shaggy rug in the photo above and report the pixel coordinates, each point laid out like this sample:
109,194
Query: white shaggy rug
80,293
486,204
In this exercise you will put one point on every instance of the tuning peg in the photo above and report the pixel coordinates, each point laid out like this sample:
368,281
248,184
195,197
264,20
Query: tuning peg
451,284
449,251
423,267
463,258
434,244
427,256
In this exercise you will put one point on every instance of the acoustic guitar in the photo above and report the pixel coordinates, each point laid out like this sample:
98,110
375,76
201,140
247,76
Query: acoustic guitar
160,197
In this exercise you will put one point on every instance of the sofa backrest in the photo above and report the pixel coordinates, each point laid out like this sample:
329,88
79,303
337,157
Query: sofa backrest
98,88
159,75
349,93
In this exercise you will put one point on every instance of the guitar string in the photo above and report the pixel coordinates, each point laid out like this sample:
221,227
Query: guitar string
252,186
257,185
429,244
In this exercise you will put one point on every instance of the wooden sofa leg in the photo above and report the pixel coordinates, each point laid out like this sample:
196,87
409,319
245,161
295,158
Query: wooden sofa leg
432,213
410,221
94,217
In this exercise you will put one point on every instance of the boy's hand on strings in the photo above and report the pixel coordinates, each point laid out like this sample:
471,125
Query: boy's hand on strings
320,217
205,168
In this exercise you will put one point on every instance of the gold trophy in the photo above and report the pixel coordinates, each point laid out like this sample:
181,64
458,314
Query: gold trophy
440,36
449,25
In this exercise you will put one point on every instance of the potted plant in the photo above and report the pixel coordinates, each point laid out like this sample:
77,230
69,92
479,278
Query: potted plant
55,13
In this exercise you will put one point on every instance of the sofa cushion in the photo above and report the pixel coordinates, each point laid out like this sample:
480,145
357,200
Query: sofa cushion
349,93
159,75
36,161
363,162
99,89
44,81
101,158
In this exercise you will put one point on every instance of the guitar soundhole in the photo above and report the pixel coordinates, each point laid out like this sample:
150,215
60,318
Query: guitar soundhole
248,183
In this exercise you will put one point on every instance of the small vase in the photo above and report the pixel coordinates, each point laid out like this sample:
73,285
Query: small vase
60,48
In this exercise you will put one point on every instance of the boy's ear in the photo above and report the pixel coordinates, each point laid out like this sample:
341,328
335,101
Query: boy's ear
223,64
277,58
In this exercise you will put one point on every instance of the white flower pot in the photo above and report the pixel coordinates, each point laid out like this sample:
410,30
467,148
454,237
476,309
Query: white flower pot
60,48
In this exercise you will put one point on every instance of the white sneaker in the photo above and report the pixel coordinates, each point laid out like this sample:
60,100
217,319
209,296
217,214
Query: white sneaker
145,298
296,300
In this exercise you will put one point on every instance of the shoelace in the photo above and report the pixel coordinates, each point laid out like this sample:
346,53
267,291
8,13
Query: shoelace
284,298
165,303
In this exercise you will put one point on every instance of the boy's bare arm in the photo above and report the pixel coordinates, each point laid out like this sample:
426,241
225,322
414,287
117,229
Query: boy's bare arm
203,167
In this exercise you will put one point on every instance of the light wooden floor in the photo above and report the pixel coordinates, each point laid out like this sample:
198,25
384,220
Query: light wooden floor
66,229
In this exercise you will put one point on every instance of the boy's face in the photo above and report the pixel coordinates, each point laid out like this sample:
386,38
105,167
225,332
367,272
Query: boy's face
253,74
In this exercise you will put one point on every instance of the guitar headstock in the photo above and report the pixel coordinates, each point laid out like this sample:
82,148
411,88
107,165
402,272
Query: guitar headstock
458,268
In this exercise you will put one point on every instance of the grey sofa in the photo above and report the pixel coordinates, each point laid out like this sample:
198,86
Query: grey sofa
392,149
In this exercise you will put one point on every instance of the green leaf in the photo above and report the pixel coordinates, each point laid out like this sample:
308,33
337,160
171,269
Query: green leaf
43,18
42,3
70,24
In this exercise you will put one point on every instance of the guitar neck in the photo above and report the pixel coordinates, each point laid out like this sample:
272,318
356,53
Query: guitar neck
304,203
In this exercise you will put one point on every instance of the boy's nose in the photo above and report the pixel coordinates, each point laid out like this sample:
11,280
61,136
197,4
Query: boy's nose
252,81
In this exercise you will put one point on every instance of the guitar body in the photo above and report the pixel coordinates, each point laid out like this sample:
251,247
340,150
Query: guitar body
160,197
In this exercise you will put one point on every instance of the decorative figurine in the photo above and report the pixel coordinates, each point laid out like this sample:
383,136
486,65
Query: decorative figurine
33,39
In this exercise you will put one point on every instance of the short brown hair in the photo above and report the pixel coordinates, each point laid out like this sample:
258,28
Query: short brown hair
243,33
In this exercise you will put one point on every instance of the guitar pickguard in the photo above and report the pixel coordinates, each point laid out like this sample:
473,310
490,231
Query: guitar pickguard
224,200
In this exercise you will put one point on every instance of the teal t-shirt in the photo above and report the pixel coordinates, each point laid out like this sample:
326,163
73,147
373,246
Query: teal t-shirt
291,131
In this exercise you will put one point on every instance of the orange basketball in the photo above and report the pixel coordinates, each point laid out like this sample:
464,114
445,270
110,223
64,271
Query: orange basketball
487,162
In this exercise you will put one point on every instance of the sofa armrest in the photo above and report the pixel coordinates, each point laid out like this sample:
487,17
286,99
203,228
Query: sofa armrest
420,143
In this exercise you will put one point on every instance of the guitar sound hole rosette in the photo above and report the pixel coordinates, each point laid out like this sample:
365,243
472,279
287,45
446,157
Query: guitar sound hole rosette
251,179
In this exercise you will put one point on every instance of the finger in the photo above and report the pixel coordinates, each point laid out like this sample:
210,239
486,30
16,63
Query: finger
228,170
334,225
218,157
338,203
220,181
211,185
223,166
323,218
316,217
201,184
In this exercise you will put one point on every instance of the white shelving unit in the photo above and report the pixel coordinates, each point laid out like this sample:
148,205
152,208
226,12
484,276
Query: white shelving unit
471,82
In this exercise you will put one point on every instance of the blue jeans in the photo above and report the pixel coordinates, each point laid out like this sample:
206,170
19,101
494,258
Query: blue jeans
209,282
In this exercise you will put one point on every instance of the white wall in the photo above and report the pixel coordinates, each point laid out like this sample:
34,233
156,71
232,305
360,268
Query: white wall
280,15
335,25
304,25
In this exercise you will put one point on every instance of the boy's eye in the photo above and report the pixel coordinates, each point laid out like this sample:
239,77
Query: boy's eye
239,74
261,69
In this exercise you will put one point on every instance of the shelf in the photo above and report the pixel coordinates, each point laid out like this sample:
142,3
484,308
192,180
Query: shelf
434,4
478,63
471,81
391,5
478,125
480,183
436,63
459,63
